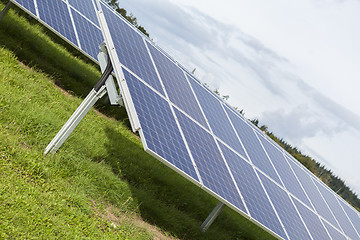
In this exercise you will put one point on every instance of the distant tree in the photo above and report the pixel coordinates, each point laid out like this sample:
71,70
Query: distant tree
255,121
264,128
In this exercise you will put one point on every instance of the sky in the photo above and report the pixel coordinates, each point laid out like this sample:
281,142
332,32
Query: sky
294,65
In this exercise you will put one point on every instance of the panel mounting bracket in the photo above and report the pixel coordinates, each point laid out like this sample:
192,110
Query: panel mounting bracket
113,94
212,216
105,85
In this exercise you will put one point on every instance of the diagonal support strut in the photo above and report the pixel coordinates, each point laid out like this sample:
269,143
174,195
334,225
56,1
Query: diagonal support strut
103,86
212,216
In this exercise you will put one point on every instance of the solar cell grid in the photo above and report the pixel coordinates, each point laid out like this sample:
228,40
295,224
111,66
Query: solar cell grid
177,86
313,193
90,36
162,136
131,49
208,159
338,212
312,221
251,189
216,116
28,4
56,15
253,147
336,235
286,210
85,7
352,215
288,177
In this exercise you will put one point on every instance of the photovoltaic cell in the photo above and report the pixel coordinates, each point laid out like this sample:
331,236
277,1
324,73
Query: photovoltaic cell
352,215
312,221
86,8
161,133
131,49
253,147
209,161
338,212
336,235
288,178
250,187
28,4
90,36
216,117
314,194
286,210
177,86
56,14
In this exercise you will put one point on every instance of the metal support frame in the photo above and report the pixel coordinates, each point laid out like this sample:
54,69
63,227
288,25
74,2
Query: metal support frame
5,10
212,216
105,85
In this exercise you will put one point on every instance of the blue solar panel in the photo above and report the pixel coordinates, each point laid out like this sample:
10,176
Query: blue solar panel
56,14
250,187
352,215
177,86
216,116
286,174
161,133
211,166
90,36
286,210
131,49
27,4
312,221
338,212
253,146
335,234
313,193
86,8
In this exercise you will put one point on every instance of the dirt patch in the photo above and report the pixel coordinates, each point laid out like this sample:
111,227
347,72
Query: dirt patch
116,219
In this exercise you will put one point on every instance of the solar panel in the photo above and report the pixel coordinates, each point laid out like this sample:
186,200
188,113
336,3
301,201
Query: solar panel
73,20
312,221
191,130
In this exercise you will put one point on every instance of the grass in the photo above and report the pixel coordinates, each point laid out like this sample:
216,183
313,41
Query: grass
101,184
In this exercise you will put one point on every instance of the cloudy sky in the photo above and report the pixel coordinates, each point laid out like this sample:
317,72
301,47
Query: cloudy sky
294,65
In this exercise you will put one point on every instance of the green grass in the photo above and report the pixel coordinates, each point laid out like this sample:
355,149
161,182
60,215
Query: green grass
101,180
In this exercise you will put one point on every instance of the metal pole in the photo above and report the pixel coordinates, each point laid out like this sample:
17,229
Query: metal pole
212,216
5,10
95,94
74,120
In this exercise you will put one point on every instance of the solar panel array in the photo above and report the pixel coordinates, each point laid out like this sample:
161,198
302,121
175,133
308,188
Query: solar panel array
194,132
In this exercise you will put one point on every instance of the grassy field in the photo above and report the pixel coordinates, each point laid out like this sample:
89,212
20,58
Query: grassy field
101,184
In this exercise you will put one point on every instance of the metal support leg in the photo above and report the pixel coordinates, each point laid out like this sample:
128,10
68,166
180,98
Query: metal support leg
95,94
5,10
74,120
211,218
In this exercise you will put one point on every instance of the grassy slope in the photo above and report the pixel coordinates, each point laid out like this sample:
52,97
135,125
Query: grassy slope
101,179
